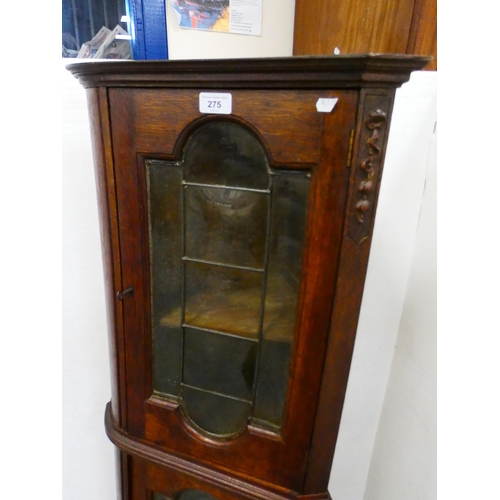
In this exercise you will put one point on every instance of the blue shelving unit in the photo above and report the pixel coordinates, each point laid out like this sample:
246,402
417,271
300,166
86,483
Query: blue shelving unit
148,27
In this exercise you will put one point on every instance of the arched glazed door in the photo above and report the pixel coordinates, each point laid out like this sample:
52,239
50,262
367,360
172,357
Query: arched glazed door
219,219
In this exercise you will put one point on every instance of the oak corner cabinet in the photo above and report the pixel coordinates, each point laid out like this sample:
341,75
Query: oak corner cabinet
237,200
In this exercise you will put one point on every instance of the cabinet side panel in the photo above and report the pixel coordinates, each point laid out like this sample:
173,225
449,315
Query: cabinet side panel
108,222
134,260
374,111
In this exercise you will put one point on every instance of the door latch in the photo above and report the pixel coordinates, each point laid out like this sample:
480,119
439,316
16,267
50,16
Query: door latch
127,291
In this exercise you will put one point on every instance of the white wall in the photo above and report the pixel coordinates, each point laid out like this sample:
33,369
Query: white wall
387,277
403,464
276,40
88,461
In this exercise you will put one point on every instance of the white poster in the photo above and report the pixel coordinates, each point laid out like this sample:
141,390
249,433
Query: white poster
231,16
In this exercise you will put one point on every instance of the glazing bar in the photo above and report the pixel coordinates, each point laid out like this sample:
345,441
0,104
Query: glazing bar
215,393
263,296
233,266
229,188
218,332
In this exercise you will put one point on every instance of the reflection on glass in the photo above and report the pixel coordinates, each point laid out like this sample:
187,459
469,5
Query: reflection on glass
219,363
288,222
193,495
186,495
226,225
157,496
226,242
165,219
223,298
215,414
225,154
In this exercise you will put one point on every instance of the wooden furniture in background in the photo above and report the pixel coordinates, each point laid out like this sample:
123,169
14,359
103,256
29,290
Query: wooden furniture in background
235,250
375,26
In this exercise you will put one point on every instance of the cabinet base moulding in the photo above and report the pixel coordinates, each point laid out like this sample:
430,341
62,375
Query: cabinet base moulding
170,464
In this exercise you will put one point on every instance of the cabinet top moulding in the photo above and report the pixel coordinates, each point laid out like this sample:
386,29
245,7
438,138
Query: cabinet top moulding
302,72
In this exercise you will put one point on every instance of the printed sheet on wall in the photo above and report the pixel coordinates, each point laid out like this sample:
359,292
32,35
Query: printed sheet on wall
242,17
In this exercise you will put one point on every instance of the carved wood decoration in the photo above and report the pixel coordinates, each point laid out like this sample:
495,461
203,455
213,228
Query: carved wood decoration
368,166
376,120
146,128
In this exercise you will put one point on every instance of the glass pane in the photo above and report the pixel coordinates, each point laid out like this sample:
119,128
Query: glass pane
165,220
215,414
288,222
186,495
226,225
157,496
194,495
223,299
208,267
226,154
219,363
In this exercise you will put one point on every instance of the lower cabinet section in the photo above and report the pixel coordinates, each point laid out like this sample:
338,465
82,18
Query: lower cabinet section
189,494
145,480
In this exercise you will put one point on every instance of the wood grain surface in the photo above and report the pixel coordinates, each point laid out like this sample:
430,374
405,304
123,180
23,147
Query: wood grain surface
423,33
358,27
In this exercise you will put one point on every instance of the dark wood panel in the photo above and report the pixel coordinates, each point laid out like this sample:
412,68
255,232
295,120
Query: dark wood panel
168,482
375,108
131,260
186,469
110,243
137,477
252,453
153,470
319,72
325,223
288,121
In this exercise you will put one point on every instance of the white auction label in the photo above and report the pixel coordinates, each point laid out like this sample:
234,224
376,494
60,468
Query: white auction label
216,103
326,104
